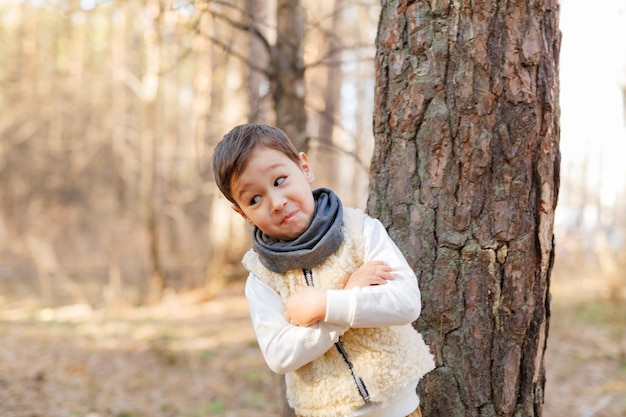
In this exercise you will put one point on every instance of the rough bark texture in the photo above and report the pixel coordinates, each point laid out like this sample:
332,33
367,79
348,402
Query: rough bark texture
465,177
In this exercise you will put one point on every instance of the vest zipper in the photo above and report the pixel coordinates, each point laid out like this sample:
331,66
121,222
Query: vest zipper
360,385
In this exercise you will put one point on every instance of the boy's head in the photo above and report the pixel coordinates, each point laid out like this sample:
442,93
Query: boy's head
233,152
259,170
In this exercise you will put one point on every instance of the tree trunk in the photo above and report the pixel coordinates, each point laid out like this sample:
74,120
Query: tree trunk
119,102
465,177
329,160
287,84
203,88
258,89
150,152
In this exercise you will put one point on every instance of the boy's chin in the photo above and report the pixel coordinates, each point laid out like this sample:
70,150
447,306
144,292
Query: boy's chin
290,236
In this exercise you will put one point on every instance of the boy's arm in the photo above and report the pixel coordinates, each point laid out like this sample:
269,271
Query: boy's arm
308,305
285,347
396,302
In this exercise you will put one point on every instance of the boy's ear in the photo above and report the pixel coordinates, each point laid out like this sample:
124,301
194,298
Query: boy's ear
306,168
242,214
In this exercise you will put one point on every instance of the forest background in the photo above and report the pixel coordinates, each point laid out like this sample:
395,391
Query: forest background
120,282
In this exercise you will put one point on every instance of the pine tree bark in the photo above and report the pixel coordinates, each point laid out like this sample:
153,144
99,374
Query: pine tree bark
465,175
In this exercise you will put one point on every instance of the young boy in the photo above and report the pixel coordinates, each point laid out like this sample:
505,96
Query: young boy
331,297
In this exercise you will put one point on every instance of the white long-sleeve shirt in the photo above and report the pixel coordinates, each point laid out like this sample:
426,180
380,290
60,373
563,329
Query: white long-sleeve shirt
286,347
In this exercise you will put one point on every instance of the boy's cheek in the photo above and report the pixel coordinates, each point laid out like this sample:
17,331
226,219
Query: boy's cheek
243,215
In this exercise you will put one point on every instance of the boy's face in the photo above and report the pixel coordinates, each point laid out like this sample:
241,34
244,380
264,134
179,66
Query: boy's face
273,193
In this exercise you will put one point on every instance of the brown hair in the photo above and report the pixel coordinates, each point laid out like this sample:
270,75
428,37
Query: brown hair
233,151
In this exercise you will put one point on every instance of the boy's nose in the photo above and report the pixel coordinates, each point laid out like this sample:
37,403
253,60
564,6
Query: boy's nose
278,202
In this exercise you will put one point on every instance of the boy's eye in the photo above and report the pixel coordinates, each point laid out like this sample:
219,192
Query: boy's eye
255,200
279,181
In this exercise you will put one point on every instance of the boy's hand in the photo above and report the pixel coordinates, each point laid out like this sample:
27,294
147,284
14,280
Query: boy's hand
370,273
306,307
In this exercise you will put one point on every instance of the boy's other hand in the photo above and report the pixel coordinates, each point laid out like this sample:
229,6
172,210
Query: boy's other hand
306,307
370,273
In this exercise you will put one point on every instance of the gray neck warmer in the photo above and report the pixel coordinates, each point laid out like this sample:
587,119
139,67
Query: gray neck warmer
319,240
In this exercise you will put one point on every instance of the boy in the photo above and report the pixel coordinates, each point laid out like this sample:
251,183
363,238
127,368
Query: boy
331,297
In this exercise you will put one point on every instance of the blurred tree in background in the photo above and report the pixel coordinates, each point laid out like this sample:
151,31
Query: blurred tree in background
111,110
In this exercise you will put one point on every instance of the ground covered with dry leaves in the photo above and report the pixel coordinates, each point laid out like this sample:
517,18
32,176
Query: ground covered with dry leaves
178,359
184,359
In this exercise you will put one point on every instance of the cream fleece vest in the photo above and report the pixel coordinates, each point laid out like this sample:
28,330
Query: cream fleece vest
387,359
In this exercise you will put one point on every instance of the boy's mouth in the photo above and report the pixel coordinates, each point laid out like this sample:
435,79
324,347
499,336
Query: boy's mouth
289,216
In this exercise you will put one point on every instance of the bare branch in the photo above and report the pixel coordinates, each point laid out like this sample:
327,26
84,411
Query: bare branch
246,27
325,143
326,59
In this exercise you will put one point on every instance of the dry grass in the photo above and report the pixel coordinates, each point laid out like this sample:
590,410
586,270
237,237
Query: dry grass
586,356
175,360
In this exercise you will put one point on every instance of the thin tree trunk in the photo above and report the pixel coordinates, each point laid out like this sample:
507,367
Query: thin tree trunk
465,177
329,161
288,87
334,75
149,152
203,88
258,87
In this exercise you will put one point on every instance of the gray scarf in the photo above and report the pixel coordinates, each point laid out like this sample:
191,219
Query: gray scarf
319,240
